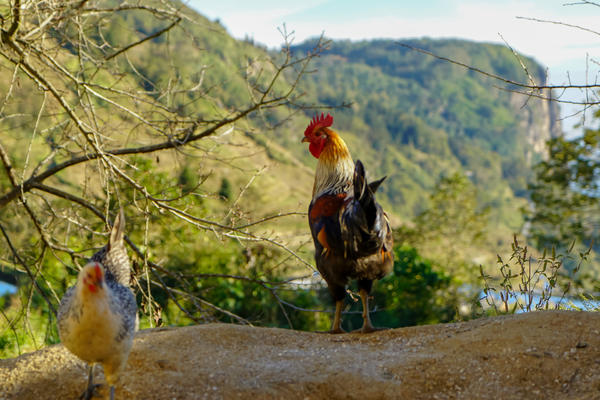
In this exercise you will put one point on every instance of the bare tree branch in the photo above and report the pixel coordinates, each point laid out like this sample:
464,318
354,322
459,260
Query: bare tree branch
560,23
150,37
16,21
497,77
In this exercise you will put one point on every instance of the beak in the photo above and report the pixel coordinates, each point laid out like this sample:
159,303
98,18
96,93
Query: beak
305,140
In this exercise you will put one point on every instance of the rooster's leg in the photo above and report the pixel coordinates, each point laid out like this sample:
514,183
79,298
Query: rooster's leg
336,327
367,325
90,391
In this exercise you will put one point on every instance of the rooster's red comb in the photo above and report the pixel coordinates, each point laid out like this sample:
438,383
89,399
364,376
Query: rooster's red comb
317,123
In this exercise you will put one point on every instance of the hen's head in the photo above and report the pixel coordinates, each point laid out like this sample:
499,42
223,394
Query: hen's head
317,134
92,277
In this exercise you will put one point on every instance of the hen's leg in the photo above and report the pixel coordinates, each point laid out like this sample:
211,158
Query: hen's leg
90,391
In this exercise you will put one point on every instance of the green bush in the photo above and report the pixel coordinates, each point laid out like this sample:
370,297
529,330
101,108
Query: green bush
414,294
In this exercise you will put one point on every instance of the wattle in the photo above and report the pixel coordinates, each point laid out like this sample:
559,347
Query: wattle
316,148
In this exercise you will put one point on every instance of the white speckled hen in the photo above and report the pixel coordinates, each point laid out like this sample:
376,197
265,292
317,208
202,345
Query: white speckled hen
97,317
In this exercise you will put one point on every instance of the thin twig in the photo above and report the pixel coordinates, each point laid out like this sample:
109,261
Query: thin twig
497,77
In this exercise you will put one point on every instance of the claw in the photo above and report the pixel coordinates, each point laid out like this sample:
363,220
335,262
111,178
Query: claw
90,392
368,329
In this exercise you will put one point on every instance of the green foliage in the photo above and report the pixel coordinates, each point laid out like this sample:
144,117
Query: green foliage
528,282
244,282
417,292
188,179
414,294
451,228
565,195
28,323
25,333
564,212
225,191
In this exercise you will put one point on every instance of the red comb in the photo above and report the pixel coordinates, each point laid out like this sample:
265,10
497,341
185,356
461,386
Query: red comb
98,270
317,123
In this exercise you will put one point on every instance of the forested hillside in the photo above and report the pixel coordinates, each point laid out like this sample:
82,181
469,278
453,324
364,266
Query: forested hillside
196,135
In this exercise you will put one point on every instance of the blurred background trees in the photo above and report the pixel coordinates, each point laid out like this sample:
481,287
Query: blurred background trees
565,208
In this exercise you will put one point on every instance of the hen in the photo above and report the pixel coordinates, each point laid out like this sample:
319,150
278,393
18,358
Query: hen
97,317
351,233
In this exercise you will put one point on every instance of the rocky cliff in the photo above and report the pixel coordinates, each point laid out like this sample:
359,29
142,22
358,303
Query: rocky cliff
539,119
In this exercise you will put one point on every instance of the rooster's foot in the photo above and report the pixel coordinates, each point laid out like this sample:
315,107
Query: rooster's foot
369,329
333,331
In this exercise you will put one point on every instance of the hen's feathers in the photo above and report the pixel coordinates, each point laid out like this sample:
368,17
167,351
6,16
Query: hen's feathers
122,306
114,256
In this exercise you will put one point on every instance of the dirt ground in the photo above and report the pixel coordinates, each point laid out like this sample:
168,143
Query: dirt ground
541,355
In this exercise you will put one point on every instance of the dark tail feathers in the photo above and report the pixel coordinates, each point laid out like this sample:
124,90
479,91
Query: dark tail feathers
364,192
375,184
359,180
363,219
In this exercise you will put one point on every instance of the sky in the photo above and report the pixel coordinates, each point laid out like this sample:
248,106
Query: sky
568,52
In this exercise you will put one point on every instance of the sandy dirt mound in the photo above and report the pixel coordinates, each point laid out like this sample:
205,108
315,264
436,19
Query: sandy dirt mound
542,355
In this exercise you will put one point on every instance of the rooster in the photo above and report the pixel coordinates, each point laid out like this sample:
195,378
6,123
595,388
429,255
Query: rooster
351,233
97,317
